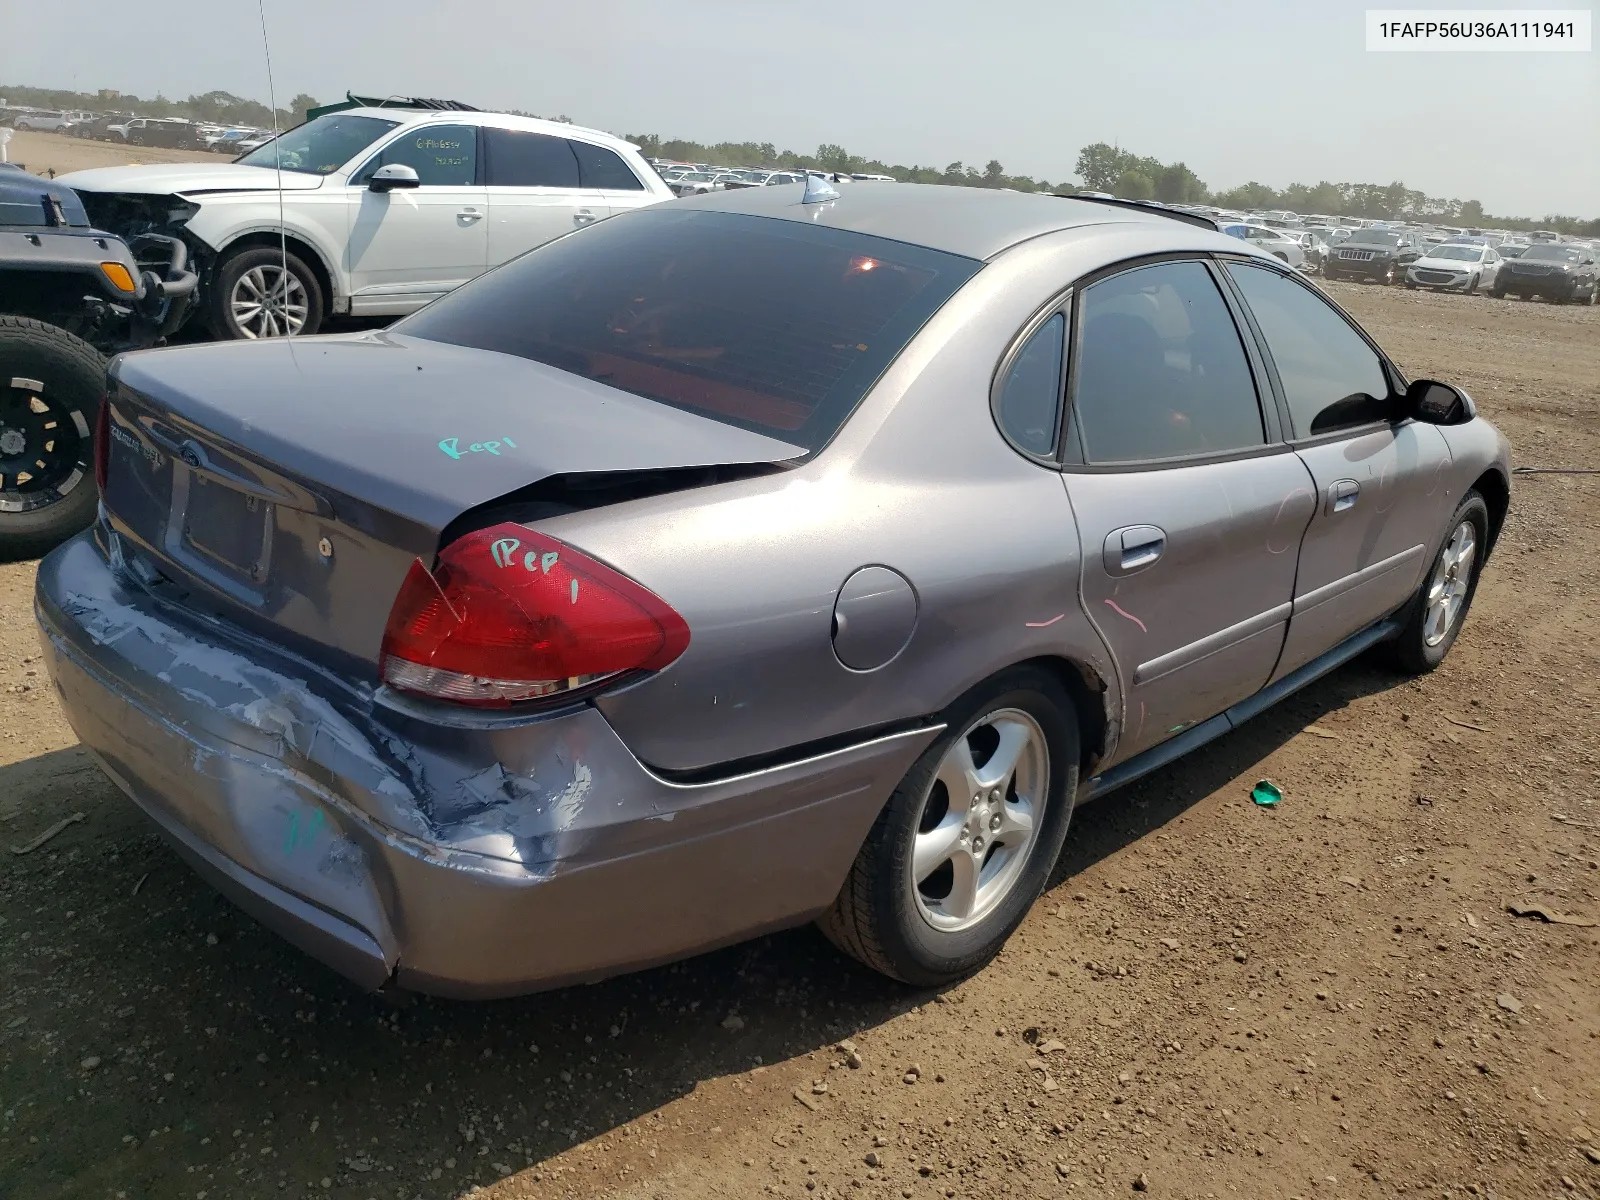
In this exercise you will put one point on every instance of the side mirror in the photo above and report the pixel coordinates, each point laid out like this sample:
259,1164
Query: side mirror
393,175
1438,403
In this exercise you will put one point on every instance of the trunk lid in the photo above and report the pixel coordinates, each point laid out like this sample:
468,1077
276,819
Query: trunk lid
294,481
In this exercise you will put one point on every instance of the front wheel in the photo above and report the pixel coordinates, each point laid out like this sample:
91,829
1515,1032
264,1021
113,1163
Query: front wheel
50,387
1498,293
1434,616
968,839
1472,285
261,292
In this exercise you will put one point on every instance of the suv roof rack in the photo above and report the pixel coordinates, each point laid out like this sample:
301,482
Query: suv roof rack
1150,206
351,100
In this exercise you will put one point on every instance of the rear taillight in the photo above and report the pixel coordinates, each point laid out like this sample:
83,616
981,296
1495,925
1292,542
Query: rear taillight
511,615
102,444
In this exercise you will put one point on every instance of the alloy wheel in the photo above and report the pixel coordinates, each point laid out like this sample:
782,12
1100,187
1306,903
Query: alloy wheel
979,819
268,301
44,449
1447,590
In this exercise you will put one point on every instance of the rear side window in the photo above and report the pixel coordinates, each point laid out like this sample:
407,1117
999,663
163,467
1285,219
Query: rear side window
518,158
441,155
604,169
1029,409
1161,370
1331,377
772,325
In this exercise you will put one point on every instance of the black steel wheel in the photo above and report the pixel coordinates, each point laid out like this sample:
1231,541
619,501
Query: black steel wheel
50,388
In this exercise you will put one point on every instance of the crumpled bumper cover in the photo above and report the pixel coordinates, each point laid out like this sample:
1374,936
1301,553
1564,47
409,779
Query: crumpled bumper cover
470,857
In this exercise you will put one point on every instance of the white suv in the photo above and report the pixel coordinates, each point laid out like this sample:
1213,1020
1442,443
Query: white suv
381,209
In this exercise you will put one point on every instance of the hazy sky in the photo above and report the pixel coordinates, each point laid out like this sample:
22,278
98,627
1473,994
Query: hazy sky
1239,89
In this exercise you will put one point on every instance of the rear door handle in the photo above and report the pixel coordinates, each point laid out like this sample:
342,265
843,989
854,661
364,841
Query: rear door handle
469,214
584,217
1133,548
1342,495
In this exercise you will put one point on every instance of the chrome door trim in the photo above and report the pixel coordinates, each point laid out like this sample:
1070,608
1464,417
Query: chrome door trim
1330,591
1184,656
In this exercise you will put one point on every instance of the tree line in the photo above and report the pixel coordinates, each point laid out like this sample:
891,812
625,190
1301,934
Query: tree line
1101,167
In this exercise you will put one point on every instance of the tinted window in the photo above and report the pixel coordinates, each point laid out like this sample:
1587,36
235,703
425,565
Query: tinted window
1331,377
441,155
319,146
775,326
517,158
1030,398
1553,254
1161,370
600,168
1374,237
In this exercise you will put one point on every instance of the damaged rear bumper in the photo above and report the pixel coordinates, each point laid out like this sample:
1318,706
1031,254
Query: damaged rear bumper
470,857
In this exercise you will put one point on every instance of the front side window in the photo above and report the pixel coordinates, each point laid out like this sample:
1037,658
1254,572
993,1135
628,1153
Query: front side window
322,146
1029,408
604,169
519,158
1332,379
441,155
775,326
1161,371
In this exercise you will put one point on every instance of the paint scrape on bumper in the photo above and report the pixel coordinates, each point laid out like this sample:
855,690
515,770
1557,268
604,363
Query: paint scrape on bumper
473,857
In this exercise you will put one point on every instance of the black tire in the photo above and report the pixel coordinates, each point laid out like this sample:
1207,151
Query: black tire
73,375
218,310
875,920
1410,652
1389,276
1473,286
1498,293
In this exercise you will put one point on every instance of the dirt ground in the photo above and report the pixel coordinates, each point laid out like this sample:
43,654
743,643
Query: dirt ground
1329,1000
43,153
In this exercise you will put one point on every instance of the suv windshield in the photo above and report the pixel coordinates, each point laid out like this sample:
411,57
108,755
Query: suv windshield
1553,253
1373,237
322,146
771,325
1464,253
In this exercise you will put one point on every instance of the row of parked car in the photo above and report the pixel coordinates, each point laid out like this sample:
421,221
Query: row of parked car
175,133
696,179
1541,265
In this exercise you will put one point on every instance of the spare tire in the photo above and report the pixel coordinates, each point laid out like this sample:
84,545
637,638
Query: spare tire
50,388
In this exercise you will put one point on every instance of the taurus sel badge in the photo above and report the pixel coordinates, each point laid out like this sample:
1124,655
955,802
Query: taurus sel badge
503,549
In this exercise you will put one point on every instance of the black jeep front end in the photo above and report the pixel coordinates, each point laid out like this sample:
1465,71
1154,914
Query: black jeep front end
70,295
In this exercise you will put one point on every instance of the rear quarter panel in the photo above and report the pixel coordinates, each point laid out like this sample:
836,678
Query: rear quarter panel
918,480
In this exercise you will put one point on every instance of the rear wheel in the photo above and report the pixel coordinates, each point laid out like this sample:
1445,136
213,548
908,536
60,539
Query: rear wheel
50,388
968,839
1434,616
260,292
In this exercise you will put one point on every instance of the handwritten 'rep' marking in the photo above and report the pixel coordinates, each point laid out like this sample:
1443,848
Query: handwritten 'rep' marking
452,447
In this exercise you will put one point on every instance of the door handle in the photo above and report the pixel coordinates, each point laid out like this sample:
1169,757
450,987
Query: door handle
469,214
584,217
1342,495
1133,548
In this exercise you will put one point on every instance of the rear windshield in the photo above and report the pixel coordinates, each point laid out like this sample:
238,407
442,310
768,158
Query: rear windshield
772,325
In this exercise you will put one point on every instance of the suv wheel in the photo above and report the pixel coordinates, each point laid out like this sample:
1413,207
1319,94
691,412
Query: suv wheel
967,841
50,386
260,293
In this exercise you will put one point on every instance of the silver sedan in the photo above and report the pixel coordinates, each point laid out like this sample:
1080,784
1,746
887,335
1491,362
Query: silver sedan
775,556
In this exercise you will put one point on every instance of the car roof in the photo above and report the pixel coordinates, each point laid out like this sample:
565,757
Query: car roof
972,222
452,116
